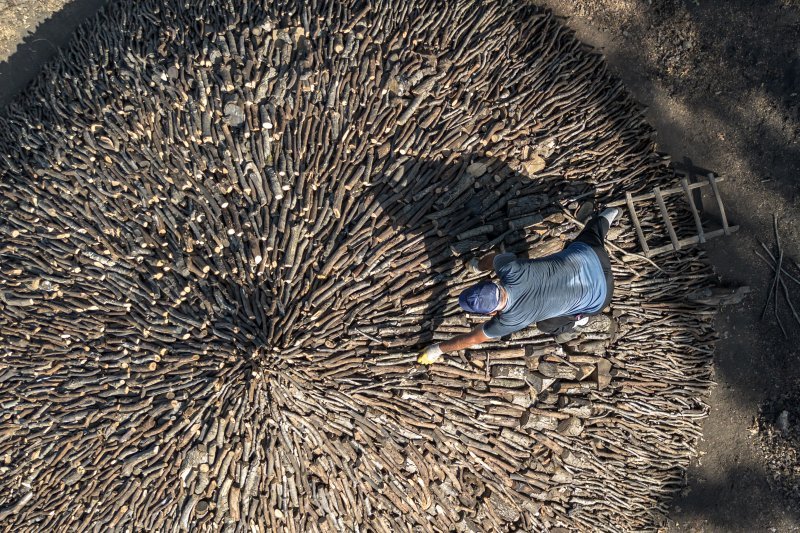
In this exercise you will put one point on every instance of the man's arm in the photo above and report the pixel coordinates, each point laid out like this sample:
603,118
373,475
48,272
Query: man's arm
460,342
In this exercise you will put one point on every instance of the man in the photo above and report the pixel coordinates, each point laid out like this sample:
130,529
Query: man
556,292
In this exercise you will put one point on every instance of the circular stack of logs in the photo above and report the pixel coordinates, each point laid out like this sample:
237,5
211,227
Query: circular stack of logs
227,228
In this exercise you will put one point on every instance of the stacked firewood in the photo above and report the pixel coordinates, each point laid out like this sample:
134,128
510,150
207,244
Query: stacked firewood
226,228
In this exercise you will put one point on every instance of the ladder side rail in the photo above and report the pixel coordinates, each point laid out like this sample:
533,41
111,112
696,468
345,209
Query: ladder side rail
693,208
713,181
665,216
636,225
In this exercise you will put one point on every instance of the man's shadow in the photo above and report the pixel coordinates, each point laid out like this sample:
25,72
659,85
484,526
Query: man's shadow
451,210
464,207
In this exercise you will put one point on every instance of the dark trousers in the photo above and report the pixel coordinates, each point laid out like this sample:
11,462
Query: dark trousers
593,234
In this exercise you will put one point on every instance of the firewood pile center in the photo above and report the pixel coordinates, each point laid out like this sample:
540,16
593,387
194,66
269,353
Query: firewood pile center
227,229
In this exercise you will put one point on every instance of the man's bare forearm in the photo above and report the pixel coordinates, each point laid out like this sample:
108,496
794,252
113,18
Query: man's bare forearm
457,343
461,342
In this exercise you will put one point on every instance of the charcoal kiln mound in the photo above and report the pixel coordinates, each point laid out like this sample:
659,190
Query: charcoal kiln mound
227,228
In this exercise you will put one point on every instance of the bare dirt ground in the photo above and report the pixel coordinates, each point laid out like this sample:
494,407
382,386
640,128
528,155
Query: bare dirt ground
721,80
20,18
31,32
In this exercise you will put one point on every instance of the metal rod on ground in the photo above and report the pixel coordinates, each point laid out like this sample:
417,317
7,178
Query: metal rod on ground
771,262
778,272
784,285
772,294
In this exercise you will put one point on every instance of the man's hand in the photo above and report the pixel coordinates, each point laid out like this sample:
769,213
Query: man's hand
433,353
430,355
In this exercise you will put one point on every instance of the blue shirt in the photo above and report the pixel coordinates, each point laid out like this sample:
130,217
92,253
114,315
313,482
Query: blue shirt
566,283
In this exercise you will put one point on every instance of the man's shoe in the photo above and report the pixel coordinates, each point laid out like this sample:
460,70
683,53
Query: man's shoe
584,212
602,324
563,338
612,214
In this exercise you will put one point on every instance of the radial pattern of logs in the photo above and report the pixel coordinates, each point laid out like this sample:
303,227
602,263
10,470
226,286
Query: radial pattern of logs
227,227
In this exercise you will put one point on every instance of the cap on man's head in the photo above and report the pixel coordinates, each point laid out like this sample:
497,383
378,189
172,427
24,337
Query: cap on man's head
481,298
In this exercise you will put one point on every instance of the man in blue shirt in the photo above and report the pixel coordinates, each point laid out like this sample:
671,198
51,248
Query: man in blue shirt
555,292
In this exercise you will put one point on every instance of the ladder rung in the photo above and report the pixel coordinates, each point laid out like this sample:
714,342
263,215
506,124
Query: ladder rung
713,181
665,215
692,240
636,225
695,214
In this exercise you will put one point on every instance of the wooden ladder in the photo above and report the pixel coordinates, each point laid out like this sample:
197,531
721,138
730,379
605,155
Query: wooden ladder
687,187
